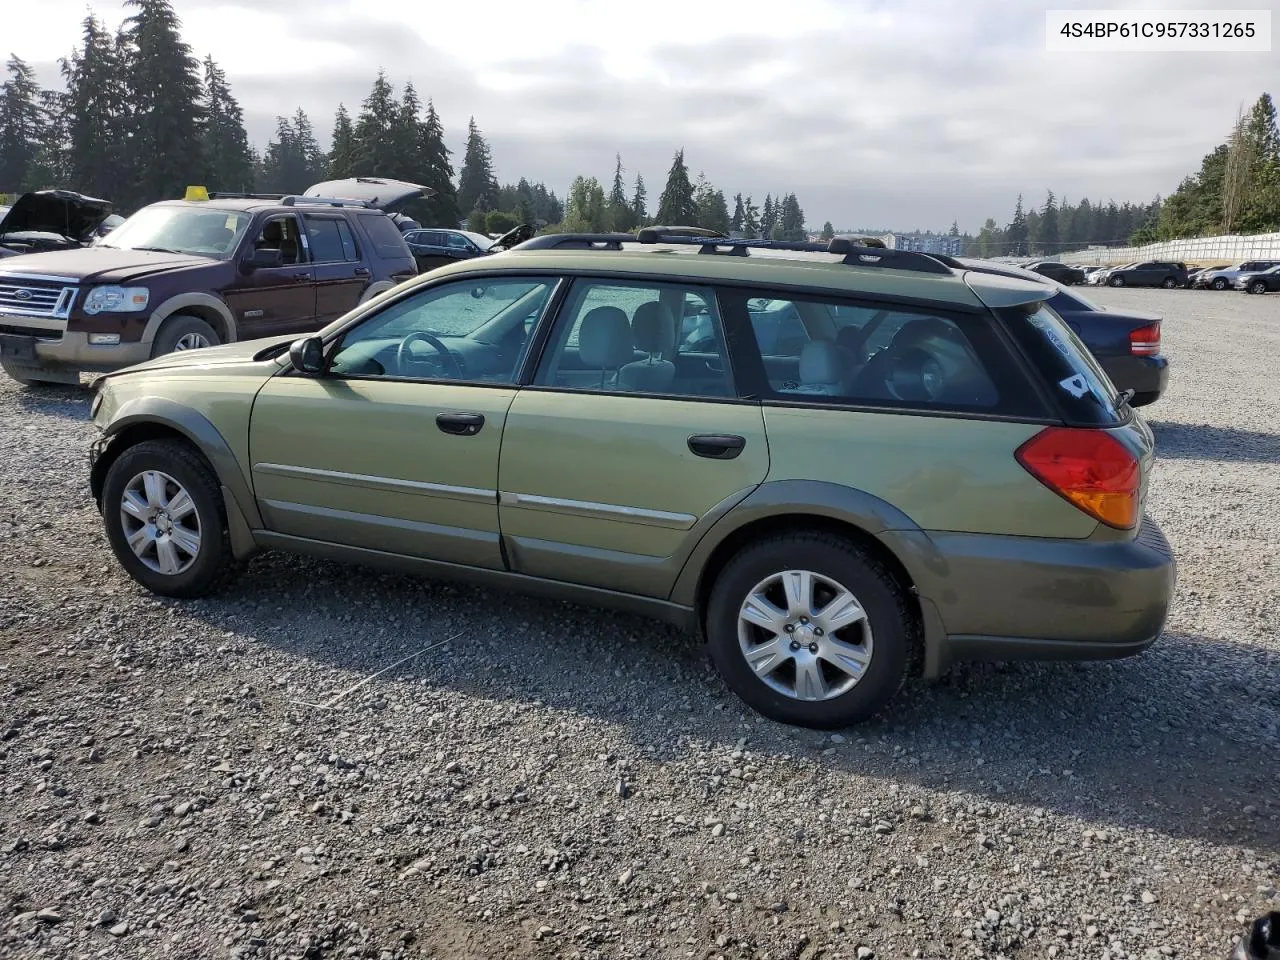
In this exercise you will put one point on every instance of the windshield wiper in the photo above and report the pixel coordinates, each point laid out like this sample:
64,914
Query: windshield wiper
158,249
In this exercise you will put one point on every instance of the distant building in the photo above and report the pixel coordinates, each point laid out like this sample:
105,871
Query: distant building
927,243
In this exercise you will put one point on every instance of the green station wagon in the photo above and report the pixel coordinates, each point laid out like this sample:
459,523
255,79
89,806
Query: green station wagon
841,465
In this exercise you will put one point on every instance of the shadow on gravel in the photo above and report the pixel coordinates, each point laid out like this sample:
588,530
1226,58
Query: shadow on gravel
1180,740
1197,441
56,400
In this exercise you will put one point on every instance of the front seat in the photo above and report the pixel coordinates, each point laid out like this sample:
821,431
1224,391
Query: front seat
604,341
822,369
653,330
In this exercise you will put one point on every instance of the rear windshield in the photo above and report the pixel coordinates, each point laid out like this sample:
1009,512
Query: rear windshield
1080,387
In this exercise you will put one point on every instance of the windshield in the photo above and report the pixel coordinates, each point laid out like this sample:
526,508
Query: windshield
479,239
201,232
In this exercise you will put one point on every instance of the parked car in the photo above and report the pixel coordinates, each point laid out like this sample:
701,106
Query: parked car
1220,278
1126,343
943,472
1264,281
1058,271
1146,273
45,220
436,246
183,274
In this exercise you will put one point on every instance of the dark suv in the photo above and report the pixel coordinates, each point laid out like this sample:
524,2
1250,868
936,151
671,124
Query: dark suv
1148,273
182,274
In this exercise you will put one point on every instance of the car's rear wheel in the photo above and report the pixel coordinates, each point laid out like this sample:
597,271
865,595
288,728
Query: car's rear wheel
165,519
183,332
1168,283
809,629
1257,287
1219,283
1115,282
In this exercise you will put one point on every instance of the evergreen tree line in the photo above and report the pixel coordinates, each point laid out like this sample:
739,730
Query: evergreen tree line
1236,190
683,202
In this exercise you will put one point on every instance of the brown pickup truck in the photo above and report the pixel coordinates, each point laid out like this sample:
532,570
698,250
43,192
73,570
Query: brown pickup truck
183,274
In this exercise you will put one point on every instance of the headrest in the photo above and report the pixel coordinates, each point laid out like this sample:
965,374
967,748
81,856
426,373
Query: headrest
604,340
820,362
923,328
653,328
273,231
849,337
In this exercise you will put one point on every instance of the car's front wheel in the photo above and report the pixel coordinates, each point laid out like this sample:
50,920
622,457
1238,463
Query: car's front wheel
1257,287
165,519
1168,283
1219,283
1116,282
809,629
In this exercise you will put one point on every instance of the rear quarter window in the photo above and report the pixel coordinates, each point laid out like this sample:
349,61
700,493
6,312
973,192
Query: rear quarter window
1080,388
386,238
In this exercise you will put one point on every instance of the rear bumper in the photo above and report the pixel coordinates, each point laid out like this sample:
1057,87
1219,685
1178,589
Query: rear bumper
1145,376
1018,598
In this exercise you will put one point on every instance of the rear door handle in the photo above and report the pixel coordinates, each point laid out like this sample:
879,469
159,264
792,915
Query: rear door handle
460,424
362,271
717,446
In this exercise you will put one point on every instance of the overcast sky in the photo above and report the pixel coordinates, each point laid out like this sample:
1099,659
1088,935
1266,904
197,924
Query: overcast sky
876,113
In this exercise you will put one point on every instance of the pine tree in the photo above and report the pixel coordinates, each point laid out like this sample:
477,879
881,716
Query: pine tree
828,231
750,219
739,213
790,218
408,164
314,162
477,186
1047,234
441,209
1016,233
375,132
639,209
620,217
225,143
676,206
49,166
342,152
95,110
586,209
20,124
164,91
768,216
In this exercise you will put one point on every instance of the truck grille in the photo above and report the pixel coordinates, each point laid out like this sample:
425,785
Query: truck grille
20,298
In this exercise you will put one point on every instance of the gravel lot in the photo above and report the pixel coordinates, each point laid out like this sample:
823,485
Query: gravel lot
206,779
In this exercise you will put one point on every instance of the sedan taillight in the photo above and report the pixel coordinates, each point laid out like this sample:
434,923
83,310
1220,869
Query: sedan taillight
1145,341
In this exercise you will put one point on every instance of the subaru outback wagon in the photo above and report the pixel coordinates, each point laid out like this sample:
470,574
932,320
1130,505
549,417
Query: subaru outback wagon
941,472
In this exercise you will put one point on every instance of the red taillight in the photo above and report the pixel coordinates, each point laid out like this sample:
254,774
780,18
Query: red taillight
1145,341
1090,469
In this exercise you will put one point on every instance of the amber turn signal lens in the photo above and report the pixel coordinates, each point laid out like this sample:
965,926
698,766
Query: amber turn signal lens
1088,468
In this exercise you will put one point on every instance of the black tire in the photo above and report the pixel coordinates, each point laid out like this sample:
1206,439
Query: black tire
1169,283
213,562
1144,399
893,626
1257,286
1115,282
181,325
1219,283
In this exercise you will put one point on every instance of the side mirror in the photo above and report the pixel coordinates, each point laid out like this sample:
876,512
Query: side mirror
262,257
307,355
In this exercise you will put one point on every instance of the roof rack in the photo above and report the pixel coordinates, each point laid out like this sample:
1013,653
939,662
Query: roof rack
854,255
294,199
230,195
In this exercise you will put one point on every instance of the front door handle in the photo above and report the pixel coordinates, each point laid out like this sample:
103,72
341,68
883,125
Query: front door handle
717,446
460,424
362,271
302,276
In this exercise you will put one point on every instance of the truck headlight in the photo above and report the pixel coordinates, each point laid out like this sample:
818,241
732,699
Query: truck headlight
116,299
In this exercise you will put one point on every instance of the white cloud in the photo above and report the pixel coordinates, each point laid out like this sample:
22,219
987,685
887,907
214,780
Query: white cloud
874,113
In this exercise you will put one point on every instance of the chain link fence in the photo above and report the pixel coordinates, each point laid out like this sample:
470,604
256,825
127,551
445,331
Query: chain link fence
1200,251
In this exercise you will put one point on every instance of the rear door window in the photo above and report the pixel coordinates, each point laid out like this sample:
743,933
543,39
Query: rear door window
386,237
1080,387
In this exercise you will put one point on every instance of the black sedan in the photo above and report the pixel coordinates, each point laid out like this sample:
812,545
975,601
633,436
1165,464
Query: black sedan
1125,343
436,246
1264,281
1055,270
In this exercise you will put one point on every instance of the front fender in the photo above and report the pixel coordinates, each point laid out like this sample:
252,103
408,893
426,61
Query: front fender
148,412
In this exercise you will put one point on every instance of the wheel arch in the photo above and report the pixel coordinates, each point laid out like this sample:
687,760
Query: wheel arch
882,530
203,306
153,418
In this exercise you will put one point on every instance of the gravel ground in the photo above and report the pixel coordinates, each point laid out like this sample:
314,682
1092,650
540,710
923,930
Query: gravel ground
236,777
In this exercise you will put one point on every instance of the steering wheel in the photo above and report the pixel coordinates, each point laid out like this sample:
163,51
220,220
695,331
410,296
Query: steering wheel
404,358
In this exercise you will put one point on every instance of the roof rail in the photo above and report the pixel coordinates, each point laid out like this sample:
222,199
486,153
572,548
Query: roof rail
854,255
576,241
294,199
231,195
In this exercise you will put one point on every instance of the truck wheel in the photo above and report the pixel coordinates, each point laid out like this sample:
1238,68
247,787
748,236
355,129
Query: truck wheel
165,519
183,332
809,629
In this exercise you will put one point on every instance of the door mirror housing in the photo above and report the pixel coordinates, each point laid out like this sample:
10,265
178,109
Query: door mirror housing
307,356
262,257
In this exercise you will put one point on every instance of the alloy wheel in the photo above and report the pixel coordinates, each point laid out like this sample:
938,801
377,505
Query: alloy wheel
804,635
160,522
191,341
